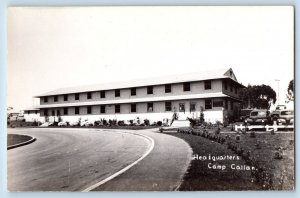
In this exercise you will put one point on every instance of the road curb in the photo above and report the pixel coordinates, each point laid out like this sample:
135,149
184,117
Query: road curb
22,144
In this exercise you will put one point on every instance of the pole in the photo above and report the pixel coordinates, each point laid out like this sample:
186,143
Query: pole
277,80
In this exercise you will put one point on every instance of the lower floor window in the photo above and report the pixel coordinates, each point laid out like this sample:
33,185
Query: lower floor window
150,107
76,110
133,107
102,109
89,110
168,106
192,107
65,111
117,109
218,103
208,104
181,107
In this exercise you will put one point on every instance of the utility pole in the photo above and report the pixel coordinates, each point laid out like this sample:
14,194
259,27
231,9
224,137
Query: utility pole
277,80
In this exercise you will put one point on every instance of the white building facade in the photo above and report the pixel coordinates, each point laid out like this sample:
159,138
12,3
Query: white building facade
213,92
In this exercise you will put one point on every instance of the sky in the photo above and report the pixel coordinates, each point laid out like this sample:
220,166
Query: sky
51,48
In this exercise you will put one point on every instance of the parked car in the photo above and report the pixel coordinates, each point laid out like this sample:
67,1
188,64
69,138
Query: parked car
259,116
245,113
280,107
283,116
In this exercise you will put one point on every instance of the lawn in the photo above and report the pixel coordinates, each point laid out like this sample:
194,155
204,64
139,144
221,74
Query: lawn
272,155
13,139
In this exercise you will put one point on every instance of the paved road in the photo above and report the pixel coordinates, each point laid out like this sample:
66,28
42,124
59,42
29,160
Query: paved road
70,160
162,170
73,160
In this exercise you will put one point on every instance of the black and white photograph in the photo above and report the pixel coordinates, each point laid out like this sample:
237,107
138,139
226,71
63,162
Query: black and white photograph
150,98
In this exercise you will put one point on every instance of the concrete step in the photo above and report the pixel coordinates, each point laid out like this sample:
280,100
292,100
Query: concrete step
181,123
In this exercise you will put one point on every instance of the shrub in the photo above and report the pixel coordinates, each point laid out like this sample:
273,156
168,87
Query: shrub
121,123
159,123
146,122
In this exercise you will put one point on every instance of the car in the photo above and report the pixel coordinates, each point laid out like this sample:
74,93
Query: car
244,114
283,116
259,116
281,107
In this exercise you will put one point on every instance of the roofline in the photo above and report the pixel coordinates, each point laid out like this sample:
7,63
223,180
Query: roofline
95,90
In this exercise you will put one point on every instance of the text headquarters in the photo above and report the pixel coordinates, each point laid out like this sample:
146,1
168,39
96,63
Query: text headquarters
217,162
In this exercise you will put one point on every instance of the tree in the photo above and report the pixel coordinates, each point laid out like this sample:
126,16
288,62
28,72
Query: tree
258,96
290,89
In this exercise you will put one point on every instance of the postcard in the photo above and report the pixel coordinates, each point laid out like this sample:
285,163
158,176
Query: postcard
150,98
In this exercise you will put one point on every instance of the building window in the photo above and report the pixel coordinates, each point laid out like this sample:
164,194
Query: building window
102,94
55,98
102,109
133,107
217,103
208,104
225,85
231,105
65,111
117,93
181,107
46,112
76,110
235,89
207,84
89,109
231,87
133,91
192,107
226,104
150,90
53,113
89,95
45,99
150,107
168,106
65,97
187,86
77,96
117,108
58,112
168,88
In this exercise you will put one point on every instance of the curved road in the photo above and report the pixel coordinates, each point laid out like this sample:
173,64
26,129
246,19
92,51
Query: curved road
75,159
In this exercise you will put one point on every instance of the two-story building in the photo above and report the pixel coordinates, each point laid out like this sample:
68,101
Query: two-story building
213,92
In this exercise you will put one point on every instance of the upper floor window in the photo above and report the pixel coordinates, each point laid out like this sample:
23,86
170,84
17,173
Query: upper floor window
102,94
235,89
76,110
226,104
117,93
133,91
89,95
89,109
66,111
186,86
102,109
65,97
77,96
150,107
117,108
207,84
231,87
225,85
231,105
55,98
46,99
168,106
133,107
150,90
208,104
168,88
